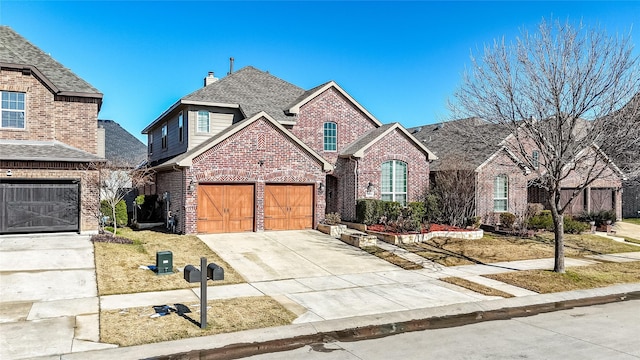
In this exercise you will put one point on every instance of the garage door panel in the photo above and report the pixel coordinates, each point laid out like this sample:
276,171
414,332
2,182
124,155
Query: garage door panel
38,207
288,207
225,208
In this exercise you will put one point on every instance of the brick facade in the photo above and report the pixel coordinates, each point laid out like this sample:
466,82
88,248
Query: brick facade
238,159
70,120
49,117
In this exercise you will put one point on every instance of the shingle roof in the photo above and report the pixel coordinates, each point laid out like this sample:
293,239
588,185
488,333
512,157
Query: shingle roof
460,141
254,91
365,140
16,50
26,150
122,148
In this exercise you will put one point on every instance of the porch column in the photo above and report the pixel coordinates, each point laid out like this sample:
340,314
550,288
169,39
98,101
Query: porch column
618,203
587,200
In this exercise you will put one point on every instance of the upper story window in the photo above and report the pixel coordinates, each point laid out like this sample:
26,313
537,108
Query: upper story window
330,131
180,127
150,143
535,159
500,193
203,121
13,110
394,181
164,136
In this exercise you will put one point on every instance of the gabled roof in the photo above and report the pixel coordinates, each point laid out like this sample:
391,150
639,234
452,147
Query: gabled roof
122,148
458,141
186,159
294,108
27,150
358,147
16,52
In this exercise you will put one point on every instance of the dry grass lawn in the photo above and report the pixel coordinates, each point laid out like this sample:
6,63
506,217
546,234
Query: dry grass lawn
575,278
392,258
632,221
117,265
473,286
134,326
497,248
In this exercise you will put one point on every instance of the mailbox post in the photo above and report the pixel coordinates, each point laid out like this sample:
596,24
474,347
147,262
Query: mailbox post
192,274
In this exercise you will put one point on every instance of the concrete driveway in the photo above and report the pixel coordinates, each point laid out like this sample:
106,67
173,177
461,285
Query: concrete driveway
321,278
49,302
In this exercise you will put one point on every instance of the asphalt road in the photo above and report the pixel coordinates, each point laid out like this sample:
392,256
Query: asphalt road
596,332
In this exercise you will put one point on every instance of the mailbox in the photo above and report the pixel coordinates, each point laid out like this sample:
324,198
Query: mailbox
191,274
215,272
164,262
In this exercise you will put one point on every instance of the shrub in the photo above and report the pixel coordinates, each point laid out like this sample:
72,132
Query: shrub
418,211
600,217
474,222
507,219
121,212
432,209
332,218
391,210
367,211
572,226
542,221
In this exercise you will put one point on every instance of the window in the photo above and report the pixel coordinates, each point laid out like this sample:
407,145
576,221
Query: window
180,127
164,136
12,110
330,130
535,159
203,121
394,181
500,193
150,143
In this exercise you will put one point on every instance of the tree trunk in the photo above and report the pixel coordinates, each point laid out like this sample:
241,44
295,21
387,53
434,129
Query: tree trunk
558,231
115,222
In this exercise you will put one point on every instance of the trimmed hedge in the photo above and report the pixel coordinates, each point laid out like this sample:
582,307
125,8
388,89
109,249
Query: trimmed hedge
372,211
544,221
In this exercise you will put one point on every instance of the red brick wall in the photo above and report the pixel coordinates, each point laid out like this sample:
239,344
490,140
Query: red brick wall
517,186
236,160
70,120
332,106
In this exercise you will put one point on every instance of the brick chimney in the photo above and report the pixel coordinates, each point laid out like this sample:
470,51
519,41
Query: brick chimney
210,79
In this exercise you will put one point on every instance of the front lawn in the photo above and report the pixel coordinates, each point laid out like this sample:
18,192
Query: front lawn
498,248
118,265
635,221
575,278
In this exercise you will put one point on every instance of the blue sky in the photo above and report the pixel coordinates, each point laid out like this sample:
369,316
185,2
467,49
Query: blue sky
400,60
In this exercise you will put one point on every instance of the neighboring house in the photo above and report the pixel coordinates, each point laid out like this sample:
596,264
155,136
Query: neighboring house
252,152
48,142
502,182
123,152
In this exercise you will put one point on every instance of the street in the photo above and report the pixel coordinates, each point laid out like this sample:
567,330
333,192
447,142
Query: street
597,332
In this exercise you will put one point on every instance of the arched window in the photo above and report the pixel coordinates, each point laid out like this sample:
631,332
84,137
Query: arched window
330,131
394,181
500,193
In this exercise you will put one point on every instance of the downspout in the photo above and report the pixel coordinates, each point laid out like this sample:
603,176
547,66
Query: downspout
355,186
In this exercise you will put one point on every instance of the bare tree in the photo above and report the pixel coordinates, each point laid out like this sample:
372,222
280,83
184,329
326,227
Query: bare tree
454,189
552,89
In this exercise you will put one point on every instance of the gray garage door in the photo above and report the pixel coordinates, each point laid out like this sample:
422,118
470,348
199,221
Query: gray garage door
39,206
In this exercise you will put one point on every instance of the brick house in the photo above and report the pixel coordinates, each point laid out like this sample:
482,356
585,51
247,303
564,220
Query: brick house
502,183
252,152
48,142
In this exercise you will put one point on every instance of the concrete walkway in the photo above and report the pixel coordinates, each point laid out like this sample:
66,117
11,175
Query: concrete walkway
49,296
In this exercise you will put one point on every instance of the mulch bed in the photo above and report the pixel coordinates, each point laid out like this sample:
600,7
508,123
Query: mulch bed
108,238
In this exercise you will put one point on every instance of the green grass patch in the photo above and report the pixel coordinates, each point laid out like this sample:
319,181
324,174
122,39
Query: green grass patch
635,221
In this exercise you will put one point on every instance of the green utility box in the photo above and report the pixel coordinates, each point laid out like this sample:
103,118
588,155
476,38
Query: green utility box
164,262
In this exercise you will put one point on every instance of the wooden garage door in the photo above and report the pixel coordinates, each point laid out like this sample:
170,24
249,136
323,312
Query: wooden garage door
288,207
225,208
39,206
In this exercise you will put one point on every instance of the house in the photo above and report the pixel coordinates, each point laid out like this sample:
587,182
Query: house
48,142
124,153
501,181
252,152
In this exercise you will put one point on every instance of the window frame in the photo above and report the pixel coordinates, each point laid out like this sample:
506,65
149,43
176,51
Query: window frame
9,110
389,188
164,131
200,117
181,127
535,159
330,141
501,196
150,145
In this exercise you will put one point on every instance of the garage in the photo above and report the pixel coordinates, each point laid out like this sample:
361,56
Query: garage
288,207
28,206
225,208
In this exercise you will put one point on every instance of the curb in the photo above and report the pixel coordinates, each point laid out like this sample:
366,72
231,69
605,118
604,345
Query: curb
239,350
